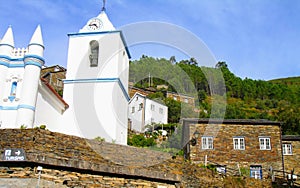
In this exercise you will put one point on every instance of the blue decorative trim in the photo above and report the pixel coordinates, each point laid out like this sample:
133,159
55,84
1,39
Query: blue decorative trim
11,98
21,59
125,44
103,32
93,33
5,57
17,107
37,45
16,65
7,45
33,63
123,89
34,56
26,107
11,59
4,63
16,59
95,80
11,65
20,65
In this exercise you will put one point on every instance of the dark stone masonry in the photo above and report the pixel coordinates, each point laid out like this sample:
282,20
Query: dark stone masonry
223,152
70,161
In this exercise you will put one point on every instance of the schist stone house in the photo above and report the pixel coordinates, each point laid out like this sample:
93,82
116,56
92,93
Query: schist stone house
251,145
95,94
54,75
144,111
291,154
181,98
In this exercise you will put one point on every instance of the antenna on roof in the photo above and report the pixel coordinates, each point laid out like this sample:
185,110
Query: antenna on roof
103,7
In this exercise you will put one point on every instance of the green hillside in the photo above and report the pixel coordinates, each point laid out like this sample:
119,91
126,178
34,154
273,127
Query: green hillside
217,89
291,81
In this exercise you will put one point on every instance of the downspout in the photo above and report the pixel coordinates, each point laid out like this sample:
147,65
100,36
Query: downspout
143,114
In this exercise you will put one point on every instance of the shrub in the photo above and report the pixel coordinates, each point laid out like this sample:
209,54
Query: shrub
43,127
98,138
23,127
141,141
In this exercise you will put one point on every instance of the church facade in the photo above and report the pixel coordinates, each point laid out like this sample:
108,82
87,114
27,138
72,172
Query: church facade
95,97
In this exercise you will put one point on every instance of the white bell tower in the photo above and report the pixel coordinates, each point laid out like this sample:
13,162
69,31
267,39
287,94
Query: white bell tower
96,84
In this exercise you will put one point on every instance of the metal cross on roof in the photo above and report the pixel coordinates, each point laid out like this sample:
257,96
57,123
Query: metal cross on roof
103,6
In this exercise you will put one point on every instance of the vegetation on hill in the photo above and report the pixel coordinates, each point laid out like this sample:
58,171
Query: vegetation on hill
290,81
218,87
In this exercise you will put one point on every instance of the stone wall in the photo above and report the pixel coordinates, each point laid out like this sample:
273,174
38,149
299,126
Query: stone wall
70,161
65,151
63,178
292,161
20,176
223,152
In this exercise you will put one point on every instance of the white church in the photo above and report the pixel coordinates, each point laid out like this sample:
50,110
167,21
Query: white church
95,99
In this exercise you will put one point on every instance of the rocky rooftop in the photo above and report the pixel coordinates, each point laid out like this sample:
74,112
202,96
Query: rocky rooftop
65,152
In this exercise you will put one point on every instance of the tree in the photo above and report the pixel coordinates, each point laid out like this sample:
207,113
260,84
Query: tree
173,59
193,61
221,64
174,110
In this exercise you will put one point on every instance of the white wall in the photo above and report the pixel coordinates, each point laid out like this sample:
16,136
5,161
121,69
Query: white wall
146,116
157,114
98,106
8,117
136,116
46,114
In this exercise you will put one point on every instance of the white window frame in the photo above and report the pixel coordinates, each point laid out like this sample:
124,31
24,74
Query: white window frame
161,110
58,83
265,143
152,107
287,149
238,143
207,142
256,172
141,106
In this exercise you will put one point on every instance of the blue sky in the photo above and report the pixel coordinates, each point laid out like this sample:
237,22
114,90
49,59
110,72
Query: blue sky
258,39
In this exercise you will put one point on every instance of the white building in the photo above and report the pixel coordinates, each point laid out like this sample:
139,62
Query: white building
144,111
95,98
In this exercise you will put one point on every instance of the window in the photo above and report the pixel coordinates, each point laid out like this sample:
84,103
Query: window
256,171
59,83
207,142
132,109
238,143
152,107
13,91
264,143
94,47
221,169
13,88
287,149
140,106
161,111
186,100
